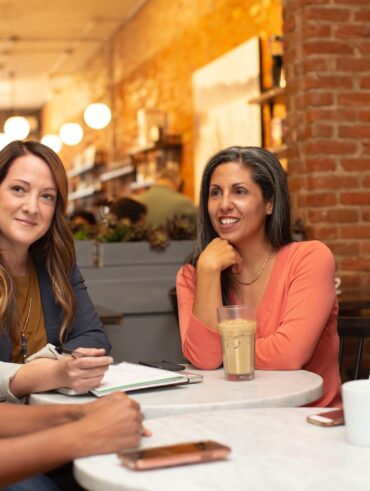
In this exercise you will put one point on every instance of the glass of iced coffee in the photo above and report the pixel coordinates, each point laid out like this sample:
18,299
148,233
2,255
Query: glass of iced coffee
237,326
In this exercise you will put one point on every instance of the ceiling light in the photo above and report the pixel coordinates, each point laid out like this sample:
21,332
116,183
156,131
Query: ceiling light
97,116
53,142
71,133
4,140
17,127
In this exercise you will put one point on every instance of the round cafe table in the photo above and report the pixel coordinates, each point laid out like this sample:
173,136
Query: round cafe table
268,389
271,449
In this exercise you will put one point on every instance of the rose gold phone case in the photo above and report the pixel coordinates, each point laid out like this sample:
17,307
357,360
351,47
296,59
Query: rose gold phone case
329,418
178,454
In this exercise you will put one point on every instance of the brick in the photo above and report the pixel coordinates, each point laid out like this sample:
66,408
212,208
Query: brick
327,47
362,16
337,215
356,264
321,130
355,198
331,182
330,14
352,64
355,131
317,64
365,82
352,31
364,47
365,247
365,215
364,116
345,248
350,281
366,181
315,114
365,148
318,99
324,232
351,4
321,199
329,147
354,99
355,232
320,164
313,30
327,82
356,164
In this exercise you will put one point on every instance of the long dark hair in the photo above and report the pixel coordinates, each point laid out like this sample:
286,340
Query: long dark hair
56,245
268,174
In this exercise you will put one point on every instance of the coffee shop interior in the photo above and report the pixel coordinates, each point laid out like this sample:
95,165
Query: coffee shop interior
124,90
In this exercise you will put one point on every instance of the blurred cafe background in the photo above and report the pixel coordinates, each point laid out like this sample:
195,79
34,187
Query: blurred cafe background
124,88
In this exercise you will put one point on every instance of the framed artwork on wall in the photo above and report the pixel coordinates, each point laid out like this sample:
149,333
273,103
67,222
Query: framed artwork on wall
223,117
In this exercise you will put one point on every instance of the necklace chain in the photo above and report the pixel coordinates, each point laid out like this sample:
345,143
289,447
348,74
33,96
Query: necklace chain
25,323
23,330
247,283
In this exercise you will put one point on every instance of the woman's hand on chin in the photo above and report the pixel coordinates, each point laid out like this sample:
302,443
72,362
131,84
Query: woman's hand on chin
218,256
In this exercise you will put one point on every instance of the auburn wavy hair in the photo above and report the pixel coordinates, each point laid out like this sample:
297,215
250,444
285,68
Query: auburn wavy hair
56,246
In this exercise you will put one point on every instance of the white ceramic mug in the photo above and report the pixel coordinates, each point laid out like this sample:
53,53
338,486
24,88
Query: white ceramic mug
356,402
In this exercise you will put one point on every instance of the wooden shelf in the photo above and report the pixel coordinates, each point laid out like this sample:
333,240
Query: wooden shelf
83,193
278,151
268,96
174,142
118,172
80,170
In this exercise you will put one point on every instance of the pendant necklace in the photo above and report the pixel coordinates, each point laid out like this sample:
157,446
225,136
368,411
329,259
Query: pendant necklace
23,332
247,283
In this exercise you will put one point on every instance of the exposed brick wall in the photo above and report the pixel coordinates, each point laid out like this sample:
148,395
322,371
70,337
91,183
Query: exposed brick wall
327,59
153,58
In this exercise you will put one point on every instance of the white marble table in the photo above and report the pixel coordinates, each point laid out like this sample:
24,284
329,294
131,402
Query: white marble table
268,389
272,450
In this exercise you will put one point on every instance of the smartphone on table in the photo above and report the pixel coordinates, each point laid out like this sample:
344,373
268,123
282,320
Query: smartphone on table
164,365
170,455
329,418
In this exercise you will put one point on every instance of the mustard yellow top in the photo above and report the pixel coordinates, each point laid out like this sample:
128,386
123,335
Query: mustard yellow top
30,315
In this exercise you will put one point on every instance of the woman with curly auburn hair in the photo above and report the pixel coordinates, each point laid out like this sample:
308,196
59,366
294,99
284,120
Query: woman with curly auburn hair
43,299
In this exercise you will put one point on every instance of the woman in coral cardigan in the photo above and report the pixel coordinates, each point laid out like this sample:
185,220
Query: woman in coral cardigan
245,255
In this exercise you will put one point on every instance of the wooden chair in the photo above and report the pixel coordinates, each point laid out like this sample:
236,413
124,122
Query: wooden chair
355,328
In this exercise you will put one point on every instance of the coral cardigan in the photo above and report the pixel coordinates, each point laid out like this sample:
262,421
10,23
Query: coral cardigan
296,318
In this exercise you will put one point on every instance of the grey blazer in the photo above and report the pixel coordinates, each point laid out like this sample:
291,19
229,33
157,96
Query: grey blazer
86,331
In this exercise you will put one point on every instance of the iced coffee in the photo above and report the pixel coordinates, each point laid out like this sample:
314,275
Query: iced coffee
237,327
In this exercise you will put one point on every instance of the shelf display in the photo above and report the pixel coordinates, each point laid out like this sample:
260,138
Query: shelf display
272,102
136,171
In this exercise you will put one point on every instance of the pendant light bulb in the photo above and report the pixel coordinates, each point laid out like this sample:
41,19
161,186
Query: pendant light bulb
97,116
53,142
17,128
71,133
4,140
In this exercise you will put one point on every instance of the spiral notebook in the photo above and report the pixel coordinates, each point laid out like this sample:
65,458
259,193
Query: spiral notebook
131,376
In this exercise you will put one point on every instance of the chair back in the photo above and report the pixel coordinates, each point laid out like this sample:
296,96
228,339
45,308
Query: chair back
357,328
173,299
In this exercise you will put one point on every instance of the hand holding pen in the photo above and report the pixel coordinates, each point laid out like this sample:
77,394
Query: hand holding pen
84,369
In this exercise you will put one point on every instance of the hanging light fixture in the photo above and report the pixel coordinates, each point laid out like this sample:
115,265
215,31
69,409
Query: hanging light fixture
53,142
4,140
97,115
16,127
71,133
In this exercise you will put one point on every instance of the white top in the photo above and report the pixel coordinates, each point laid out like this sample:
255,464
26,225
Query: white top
272,450
268,389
